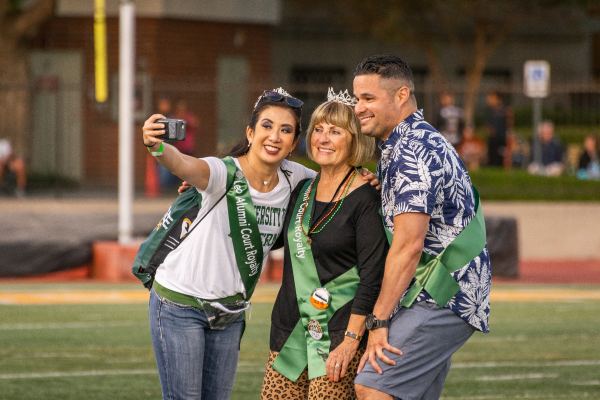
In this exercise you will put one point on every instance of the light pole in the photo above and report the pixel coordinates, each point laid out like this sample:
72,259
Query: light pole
536,84
126,82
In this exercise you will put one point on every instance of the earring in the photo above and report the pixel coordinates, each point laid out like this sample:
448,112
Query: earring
249,143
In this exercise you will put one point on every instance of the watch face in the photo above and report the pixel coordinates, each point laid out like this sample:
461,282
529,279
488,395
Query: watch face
369,321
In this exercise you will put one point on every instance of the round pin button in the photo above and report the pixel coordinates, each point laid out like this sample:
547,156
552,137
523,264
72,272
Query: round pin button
315,329
320,298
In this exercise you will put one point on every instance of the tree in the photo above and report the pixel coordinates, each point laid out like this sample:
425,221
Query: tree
472,29
18,24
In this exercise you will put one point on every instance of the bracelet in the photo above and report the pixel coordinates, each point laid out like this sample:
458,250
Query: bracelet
157,153
353,336
152,145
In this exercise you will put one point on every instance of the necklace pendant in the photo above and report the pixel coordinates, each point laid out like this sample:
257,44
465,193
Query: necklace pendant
309,241
266,183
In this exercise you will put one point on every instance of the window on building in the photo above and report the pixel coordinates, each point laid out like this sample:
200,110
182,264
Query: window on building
310,84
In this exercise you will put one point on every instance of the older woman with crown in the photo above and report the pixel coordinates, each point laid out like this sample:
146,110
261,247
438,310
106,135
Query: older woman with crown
335,249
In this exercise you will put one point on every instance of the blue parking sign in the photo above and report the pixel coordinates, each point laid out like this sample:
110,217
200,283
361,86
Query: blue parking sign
536,82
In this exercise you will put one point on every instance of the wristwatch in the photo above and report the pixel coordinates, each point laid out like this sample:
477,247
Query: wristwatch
373,323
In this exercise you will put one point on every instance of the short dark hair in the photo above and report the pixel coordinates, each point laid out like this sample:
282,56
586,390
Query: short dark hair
387,66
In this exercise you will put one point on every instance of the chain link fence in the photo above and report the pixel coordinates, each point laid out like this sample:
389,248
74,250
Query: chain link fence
55,128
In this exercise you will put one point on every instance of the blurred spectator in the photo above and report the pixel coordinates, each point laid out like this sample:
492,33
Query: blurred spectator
449,120
498,120
519,154
471,148
181,112
573,154
552,152
10,164
164,106
166,177
589,163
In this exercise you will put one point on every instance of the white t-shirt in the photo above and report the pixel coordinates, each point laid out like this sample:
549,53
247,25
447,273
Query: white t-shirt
204,264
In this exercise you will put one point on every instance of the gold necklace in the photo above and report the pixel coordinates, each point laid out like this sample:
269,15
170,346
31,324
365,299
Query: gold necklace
257,174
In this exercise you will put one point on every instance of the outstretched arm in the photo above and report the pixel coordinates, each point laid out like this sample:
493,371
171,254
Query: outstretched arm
190,169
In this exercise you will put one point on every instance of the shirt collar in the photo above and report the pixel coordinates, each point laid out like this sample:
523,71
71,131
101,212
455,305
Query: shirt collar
399,130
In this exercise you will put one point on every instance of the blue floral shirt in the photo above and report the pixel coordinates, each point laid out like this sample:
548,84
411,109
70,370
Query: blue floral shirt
421,172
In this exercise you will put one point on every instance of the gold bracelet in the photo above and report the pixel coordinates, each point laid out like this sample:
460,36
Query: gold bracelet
353,336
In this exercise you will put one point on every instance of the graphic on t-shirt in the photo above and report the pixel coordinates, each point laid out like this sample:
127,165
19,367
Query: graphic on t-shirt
268,239
270,216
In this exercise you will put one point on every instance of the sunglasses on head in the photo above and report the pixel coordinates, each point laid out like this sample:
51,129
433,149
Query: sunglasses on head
292,101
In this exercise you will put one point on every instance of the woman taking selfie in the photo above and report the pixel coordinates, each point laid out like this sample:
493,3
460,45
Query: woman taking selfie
204,282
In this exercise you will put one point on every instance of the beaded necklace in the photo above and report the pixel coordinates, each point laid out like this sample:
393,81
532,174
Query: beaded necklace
334,209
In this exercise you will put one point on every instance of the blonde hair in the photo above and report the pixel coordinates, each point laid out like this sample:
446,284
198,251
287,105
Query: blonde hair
342,115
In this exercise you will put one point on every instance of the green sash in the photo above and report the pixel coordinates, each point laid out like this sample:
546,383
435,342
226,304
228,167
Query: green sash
247,242
434,273
300,349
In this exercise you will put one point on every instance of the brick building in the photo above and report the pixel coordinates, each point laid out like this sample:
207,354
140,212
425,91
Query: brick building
215,55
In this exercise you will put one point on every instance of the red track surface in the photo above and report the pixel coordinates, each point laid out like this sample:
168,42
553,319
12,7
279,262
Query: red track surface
556,271
532,271
80,274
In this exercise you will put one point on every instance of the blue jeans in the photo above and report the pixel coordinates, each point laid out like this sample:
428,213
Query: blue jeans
194,362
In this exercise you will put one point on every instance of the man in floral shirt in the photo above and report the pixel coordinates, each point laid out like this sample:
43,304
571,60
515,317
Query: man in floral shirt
427,200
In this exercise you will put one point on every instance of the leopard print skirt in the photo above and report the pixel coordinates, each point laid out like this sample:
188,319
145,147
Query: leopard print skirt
278,387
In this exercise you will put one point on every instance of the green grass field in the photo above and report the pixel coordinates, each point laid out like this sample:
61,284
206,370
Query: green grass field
70,351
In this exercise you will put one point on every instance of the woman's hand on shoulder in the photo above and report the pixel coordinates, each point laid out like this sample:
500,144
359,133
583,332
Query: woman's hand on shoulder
185,186
370,177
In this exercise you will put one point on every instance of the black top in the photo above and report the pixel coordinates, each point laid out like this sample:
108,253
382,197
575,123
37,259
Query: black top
355,236
496,120
552,152
585,160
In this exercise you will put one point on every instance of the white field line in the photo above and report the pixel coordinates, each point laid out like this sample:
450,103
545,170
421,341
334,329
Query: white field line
523,338
53,355
67,325
515,377
97,373
79,373
246,367
566,363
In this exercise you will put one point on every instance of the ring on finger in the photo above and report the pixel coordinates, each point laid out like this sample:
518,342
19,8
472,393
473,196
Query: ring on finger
337,365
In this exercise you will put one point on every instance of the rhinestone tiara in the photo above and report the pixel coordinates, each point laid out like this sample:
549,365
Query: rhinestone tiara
343,97
278,90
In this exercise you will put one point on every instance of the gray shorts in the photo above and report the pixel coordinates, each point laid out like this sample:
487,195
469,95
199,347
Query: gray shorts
428,336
